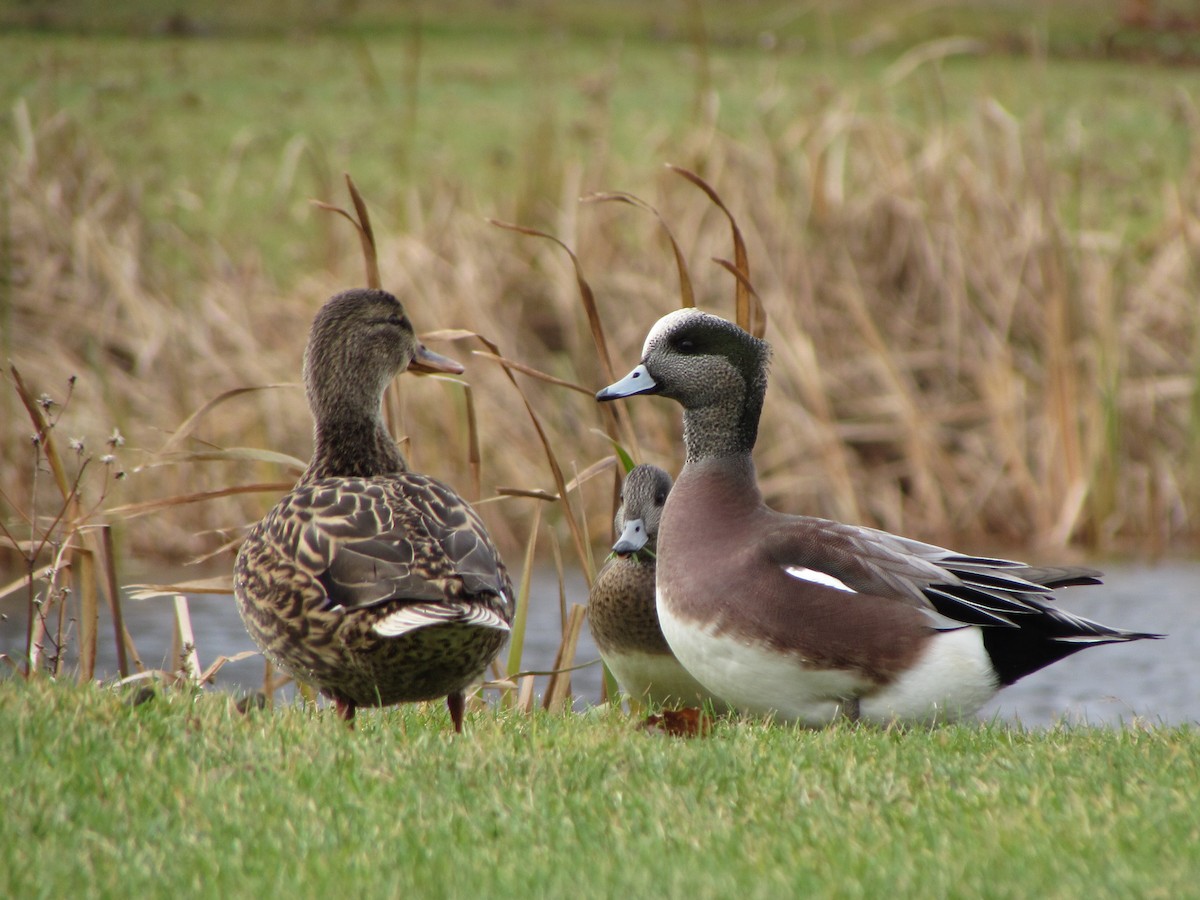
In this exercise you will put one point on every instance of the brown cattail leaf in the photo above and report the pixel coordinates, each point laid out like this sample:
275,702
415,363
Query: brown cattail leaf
329,207
145,675
532,372
577,667
559,689
89,615
516,643
37,575
556,552
687,296
189,424
585,293
126,649
225,547
370,257
183,652
132,510
525,695
474,453
498,683
615,416
45,434
362,224
268,685
532,494
218,584
229,454
218,664
744,300
447,334
599,467
551,459
474,456
757,325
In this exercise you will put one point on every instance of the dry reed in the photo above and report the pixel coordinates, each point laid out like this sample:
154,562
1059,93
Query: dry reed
954,358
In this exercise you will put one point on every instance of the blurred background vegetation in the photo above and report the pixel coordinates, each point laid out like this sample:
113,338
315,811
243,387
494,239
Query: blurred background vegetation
973,226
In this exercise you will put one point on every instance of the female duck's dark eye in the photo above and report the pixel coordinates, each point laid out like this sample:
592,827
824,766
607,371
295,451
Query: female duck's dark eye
393,321
660,499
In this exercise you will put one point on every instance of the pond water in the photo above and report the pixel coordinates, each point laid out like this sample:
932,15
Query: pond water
1156,681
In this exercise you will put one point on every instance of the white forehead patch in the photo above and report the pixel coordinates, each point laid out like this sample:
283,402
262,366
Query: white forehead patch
670,321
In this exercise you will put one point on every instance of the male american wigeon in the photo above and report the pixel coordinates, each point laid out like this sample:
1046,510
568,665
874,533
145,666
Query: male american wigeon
621,609
810,619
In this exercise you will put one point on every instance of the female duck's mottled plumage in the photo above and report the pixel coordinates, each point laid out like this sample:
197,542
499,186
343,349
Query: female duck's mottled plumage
811,619
376,584
621,609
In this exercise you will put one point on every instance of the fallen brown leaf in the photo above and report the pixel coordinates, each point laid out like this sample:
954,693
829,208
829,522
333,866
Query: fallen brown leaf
689,722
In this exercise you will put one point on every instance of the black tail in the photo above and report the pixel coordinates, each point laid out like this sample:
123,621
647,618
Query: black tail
1044,639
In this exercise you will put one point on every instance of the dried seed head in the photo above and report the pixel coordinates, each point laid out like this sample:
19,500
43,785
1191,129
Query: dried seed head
76,444
46,401
116,439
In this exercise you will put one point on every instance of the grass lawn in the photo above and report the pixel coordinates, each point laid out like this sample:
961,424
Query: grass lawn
182,795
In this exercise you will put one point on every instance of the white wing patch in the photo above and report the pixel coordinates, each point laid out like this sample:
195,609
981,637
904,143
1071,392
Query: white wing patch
806,574
425,615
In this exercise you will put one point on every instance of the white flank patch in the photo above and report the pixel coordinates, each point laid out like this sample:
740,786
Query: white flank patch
816,577
953,678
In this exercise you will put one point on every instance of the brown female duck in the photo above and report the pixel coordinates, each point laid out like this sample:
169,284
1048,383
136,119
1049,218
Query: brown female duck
375,584
621,609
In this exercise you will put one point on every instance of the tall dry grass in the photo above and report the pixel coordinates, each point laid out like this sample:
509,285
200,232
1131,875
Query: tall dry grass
955,358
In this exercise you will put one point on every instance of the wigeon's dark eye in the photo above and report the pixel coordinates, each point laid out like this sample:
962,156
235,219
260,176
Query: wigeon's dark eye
686,345
660,499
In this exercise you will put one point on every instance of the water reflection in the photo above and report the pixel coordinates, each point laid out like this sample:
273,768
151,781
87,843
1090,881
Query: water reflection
1159,682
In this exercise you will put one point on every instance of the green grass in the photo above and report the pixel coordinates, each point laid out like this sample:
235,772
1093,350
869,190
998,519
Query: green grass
183,795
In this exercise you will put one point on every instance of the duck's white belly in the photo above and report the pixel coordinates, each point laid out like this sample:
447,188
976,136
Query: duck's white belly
952,679
659,679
